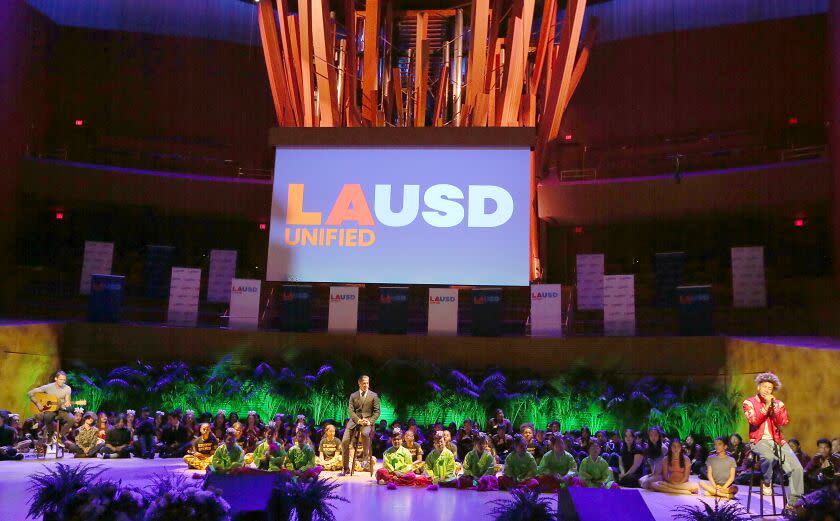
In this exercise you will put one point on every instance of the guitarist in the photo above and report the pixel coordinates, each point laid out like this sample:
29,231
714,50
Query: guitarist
60,390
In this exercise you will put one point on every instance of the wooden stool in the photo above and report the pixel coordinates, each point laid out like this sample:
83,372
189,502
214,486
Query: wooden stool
356,445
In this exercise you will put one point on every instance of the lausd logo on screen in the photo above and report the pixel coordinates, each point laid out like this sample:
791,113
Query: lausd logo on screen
339,297
544,295
288,296
393,299
308,228
440,300
487,299
242,290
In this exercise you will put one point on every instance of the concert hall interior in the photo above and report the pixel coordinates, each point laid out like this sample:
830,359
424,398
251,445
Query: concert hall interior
352,259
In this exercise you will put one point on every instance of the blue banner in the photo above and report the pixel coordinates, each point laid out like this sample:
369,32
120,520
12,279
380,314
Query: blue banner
158,270
106,296
295,307
486,311
393,310
695,308
669,275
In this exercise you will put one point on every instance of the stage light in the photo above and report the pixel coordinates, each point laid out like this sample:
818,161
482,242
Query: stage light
263,226
568,137
79,122
799,222
59,216
578,229
793,120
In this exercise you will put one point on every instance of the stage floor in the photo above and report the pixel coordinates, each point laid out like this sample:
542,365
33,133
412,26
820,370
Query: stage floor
367,500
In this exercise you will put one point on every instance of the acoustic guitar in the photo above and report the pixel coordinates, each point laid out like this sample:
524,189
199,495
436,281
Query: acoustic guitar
50,403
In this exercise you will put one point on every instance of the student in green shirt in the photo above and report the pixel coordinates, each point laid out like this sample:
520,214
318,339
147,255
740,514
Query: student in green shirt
228,456
520,467
440,463
479,463
270,455
398,466
557,468
594,470
301,457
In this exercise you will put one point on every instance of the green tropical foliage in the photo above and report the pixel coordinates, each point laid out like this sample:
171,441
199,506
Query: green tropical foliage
51,489
415,389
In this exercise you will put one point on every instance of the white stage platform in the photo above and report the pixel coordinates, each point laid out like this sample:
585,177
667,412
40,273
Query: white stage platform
367,499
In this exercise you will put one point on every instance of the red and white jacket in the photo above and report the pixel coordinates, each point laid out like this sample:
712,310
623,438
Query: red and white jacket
756,411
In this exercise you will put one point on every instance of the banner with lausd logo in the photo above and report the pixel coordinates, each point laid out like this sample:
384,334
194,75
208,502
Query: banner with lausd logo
619,305
184,287
244,303
546,310
222,271
97,261
443,311
344,309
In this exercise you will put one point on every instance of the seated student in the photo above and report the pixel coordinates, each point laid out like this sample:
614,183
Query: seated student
220,424
252,432
87,438
380,438
557,468
8,438
801,455
502,442
531,446
440,463
269,454
329,450
144,435
465,439
398,466
655,456
415,449
228,456
447,438
835,445
697,454
721,472
582,445
677,469
497,420
479,466
117,441
520,467
630,461
594,471
202,448
301,457
824,467
175,439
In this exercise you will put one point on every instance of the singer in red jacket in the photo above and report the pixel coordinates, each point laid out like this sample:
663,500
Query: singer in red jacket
766,415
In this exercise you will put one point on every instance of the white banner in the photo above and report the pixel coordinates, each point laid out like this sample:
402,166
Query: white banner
749,288
546,310
344,309
222,271
184,288
443,311
590,281
619,305
97,261
244,303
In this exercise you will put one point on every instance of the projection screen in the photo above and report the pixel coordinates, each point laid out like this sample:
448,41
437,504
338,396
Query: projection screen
444,215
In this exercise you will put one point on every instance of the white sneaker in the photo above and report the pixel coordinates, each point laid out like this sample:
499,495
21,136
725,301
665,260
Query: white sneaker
766,490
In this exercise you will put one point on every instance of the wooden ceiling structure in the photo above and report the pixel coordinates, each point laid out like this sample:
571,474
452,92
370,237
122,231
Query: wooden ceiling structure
453,68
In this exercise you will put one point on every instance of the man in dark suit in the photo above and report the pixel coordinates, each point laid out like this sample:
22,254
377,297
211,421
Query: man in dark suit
363,411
